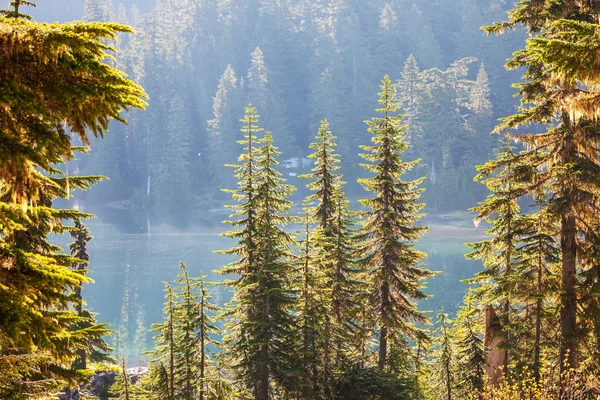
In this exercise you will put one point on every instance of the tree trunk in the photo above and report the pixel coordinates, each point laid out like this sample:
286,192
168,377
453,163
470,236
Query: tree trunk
538,316
383,339
568,244
495,356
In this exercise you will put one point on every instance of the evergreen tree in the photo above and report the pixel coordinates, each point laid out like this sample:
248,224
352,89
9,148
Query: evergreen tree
263,95
206,329
325,181
121,388
162,380
470,351
16,7
97,349
95,10
498,254
568,147
313,307
221,128
538,255
184,332
260,333
395,276
444,356
172,179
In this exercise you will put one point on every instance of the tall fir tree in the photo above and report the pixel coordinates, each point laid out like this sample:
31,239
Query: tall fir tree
14,10
498,253
222,127
470,350
312,309
444,355
390,230
568,146
171,188
261,332
164,354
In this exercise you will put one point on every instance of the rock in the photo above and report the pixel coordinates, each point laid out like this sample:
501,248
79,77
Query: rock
101,383
135,374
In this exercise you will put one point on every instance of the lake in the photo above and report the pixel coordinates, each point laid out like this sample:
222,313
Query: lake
131,257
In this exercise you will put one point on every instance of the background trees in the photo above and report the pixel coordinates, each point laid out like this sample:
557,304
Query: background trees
300,63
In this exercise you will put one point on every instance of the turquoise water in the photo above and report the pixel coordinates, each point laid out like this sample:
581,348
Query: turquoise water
129,265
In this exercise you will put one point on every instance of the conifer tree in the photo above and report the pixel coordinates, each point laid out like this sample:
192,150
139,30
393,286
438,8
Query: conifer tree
444,356
97,348
313,306
184,332
325,181
15,12
498,254
222,127
165,350
390,231
205,324
124,389
273,329
81,236
260,333
94,11
470,351
172,176
264,96
568,147
121,387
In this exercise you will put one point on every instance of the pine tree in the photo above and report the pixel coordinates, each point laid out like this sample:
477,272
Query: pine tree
94,11
470,350
568,146
16,7
165,350
325,181
260,333
538,255
262,93
313,307
81,236
395,276
226,104
172,178
205,328
409,89
121,387
184,332
124,389
498,254
444,356
273,329
97,349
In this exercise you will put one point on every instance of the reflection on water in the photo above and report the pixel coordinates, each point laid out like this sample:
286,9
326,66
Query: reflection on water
129,267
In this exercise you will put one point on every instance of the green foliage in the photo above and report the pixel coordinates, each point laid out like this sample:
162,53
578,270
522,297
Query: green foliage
390,230
361,383
15,11
260,332
55,78
470,351
567,149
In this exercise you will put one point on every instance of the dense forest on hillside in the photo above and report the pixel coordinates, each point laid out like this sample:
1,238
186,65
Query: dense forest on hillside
299,62
335,126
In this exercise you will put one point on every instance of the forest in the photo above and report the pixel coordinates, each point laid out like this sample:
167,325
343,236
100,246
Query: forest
327,133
